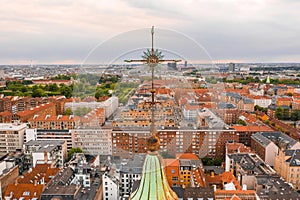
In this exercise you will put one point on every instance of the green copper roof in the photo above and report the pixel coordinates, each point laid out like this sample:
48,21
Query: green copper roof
153,185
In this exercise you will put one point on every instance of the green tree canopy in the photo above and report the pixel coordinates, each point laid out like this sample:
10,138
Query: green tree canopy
72,151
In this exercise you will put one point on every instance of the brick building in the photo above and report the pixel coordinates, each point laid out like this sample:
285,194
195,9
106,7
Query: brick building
49,122
44,109
203,142
179,170
267,144
245,132
5,104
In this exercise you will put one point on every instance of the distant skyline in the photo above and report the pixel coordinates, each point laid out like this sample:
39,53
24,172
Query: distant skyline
65,31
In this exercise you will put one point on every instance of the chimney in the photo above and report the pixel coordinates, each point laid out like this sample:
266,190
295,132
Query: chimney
212,173
45,157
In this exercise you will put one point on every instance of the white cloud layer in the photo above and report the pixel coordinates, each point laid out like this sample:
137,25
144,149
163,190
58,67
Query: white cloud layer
57,30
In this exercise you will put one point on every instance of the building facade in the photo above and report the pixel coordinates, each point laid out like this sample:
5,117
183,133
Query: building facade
11,137
94,141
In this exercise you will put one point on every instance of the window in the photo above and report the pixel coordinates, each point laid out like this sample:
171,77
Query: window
173,171
174,178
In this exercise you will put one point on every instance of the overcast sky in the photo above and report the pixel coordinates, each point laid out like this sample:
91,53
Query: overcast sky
65,31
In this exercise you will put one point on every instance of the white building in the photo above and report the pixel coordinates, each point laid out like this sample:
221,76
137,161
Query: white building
46,152
11,137
49,135
262,101
93,141
110,185
110,105
81,170
130,172
256,91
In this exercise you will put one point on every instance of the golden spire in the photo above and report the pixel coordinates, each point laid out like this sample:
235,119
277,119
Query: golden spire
152,58
154,184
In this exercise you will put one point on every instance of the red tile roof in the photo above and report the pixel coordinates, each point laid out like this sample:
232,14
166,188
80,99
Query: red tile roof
35,110
6,113
189,156
199,177
171,162
237,147
252,128
27,191
41,171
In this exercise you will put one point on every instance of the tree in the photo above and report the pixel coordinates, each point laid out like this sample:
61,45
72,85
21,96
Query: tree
241,122
38,93
53,87
207,161
72,151
24,89
217,162
68,111
66,91
279,113
295,116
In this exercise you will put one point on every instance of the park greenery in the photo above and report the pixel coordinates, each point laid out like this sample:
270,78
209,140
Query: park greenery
26,88
86,85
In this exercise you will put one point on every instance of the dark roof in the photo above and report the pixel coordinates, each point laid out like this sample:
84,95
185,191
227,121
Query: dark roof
223,105
179,191
294,160
250,162
274,187
196,192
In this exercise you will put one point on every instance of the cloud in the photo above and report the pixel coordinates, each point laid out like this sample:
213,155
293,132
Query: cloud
50,30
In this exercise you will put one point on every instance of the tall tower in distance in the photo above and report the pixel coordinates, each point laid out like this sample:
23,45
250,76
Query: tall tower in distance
231,67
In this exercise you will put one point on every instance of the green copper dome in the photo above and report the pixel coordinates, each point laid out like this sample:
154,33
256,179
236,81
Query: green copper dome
153,185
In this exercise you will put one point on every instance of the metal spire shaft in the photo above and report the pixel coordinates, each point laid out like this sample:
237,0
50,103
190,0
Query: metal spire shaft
152,60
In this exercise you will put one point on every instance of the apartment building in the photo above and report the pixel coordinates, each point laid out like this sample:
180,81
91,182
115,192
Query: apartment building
45,152
93,141
49,122
287,165
203,142
267,144
49,135
11,137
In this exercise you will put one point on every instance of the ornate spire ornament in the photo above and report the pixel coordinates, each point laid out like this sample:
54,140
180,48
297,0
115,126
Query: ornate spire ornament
154,184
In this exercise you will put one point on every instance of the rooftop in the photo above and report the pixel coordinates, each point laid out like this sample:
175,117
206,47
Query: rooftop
294,158
274,187
12,126
237,148
40,171
251,163
278,138
45,145
23,191
252,128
